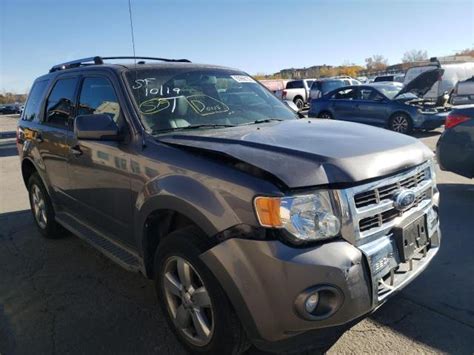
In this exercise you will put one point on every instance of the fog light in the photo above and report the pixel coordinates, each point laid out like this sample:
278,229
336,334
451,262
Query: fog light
319,302
311,302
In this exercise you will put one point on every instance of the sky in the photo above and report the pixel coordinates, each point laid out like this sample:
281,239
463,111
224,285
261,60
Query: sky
257,36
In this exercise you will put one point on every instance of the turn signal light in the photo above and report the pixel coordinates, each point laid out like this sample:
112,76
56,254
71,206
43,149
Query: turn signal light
268,211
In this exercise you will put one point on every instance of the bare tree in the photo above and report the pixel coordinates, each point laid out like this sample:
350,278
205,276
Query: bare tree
467,52
415,55
376,62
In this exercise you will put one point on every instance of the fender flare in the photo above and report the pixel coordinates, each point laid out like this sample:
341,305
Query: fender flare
40,172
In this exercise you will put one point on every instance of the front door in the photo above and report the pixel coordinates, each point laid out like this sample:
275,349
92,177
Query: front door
343,104
372,106
99,169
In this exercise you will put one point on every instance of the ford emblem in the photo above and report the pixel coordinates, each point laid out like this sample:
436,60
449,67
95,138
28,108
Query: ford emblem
404,199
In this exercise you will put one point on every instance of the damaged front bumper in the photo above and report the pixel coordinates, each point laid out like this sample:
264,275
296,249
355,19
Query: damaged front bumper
429,120
263,280
381,250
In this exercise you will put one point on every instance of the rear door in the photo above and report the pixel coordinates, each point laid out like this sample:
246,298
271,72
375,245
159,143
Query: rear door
50,135
99,169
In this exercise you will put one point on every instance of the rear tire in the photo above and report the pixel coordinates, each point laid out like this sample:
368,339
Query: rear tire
401,123
209,326
299,103
42,209
326,115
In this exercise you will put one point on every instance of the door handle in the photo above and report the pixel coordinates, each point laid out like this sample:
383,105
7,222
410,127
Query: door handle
76,151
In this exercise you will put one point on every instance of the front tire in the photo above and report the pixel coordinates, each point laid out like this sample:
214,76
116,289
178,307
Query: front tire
401,123
42,209
192,300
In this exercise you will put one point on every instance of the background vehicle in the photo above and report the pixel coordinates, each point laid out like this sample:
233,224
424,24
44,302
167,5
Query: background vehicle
323,86
200,179
296,91
394,77
452,73
463,92
274,85
381,104
455,147
9,109
347,79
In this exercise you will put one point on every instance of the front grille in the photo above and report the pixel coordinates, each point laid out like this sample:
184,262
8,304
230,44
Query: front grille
380,219
379,194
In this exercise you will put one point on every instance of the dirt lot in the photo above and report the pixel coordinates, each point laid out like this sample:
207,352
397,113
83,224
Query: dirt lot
59,296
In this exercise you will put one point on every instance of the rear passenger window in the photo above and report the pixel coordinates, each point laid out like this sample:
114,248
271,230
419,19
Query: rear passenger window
60,104
98,97
34,100
298,84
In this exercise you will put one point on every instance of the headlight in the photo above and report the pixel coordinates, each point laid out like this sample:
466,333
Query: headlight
305,217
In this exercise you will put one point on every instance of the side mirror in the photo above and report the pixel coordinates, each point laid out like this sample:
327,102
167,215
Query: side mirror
96,127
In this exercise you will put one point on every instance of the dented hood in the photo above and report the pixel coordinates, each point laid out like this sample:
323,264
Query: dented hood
303,153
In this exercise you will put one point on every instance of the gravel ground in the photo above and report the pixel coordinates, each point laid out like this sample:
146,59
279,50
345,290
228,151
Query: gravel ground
62,296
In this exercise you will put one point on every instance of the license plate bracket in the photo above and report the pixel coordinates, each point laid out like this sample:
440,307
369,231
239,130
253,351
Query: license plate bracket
411,237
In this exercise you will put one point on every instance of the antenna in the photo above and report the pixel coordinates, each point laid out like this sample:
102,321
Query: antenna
131,30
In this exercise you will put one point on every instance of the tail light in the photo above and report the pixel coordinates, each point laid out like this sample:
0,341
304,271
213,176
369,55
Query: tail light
283,94
454,119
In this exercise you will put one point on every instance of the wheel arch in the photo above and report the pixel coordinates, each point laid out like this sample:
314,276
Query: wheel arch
298,97
28,168
162,215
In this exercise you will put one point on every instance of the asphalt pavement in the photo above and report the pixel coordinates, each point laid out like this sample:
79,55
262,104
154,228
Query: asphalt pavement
62,296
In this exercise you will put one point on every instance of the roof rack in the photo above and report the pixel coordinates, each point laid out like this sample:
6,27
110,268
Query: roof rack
100,60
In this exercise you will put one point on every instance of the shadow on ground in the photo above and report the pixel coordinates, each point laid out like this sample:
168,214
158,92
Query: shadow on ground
437,309
8,148
424,134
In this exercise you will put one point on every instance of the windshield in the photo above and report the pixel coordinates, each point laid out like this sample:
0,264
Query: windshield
329,85
392,90
177,98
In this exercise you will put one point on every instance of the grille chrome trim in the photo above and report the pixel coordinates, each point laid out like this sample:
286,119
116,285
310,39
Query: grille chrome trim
377,244
352,215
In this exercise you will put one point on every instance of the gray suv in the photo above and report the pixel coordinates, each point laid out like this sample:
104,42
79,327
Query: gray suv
258,228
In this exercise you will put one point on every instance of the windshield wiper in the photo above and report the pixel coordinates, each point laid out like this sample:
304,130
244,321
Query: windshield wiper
264,120
211,125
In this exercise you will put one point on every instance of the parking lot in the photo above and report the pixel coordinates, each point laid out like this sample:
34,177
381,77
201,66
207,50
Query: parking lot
59,296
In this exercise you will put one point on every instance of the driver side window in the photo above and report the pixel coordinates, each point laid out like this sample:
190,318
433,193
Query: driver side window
98,97
369,95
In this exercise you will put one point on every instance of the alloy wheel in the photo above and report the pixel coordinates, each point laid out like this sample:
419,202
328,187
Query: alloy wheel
39,206
188,301
400,124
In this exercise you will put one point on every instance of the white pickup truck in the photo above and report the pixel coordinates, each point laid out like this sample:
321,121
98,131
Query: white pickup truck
296,91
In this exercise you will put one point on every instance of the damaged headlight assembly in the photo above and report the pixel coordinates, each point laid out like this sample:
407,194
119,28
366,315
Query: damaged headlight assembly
306,218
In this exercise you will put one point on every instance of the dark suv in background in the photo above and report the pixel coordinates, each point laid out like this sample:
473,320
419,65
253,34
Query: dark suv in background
257,227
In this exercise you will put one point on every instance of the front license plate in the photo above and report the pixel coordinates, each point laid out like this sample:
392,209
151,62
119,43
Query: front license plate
411,237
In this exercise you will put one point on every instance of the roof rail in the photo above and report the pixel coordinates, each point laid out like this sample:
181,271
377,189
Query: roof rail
100,60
